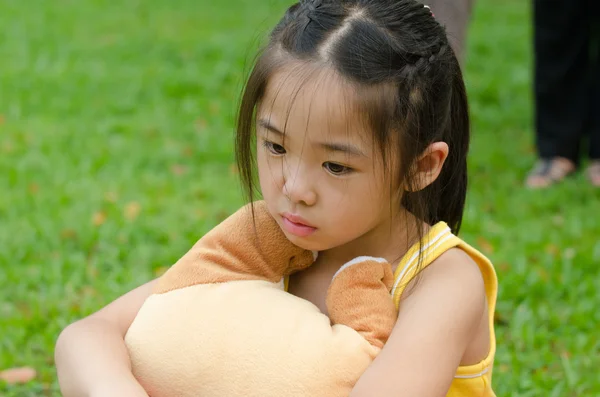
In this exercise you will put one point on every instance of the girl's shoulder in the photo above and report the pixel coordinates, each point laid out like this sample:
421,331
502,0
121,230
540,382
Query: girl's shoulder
441,254
452,270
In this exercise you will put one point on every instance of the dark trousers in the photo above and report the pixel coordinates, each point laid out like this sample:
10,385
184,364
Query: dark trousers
567,77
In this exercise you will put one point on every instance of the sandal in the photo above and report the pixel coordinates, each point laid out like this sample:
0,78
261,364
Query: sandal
593,173
548,172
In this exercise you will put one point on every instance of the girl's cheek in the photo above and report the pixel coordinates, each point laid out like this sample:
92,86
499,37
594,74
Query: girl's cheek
270,174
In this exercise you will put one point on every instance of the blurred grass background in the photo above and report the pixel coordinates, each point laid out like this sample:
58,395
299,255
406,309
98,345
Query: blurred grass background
116,137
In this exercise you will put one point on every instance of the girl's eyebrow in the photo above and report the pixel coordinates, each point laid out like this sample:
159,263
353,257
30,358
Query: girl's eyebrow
329,146
344,148
266,124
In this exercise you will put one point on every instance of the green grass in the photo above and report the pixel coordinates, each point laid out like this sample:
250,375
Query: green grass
116,133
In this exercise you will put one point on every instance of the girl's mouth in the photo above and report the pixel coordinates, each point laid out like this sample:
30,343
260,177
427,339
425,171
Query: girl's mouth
295,225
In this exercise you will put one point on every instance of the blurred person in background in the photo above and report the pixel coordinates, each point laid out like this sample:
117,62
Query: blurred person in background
566,89
454,15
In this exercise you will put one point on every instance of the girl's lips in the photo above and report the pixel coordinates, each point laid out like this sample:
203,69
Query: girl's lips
292,224
296,219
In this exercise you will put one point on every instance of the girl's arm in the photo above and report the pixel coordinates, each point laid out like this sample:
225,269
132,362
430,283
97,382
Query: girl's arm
435,324
91,357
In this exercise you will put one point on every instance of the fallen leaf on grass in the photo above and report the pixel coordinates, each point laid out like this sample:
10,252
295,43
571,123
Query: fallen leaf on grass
488,208
14,376
7,147
543,273
552,250
178,169
68,234
214,108
233,170
187,151
132,210
99,218
25,309
485,245
33,188
88,291
201,124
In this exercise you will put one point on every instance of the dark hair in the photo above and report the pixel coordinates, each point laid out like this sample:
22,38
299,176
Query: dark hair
398,51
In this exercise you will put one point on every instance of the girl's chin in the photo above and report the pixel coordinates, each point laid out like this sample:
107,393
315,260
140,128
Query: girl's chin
310,243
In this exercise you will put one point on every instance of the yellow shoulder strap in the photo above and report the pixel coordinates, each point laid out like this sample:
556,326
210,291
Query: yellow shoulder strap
488,272
436,242
439,240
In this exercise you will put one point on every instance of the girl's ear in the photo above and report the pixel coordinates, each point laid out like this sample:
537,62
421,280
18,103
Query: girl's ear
428,167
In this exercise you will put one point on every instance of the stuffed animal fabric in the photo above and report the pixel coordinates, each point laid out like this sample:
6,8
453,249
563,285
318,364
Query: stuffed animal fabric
220,323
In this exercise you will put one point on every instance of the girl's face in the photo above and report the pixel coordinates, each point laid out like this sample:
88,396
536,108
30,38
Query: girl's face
320,173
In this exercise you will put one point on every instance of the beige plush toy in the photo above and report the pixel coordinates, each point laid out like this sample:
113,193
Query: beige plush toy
220,324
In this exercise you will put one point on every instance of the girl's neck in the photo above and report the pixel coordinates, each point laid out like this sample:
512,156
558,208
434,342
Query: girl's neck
390,240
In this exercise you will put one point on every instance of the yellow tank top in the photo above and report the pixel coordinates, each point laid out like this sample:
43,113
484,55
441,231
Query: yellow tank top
471,380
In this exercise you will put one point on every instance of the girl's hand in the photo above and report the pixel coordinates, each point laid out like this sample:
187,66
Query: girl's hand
91,357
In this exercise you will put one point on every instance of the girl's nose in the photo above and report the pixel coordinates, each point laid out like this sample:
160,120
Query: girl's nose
299,188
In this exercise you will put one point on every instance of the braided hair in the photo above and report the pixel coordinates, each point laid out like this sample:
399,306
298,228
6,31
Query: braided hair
396,54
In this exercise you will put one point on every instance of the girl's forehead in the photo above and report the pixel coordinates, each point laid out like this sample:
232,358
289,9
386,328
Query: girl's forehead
315,100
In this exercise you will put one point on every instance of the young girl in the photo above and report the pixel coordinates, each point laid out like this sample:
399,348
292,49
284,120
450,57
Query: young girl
355,117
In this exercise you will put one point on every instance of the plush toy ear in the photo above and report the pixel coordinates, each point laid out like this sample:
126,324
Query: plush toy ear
428,167
359,297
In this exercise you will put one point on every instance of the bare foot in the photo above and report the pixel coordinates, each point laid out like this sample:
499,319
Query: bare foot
548,172
593,173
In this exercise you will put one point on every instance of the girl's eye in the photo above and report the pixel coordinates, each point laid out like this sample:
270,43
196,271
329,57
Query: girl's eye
274,148
337,169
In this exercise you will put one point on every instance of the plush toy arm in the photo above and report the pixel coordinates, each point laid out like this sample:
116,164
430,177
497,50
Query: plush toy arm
245,246
359,297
